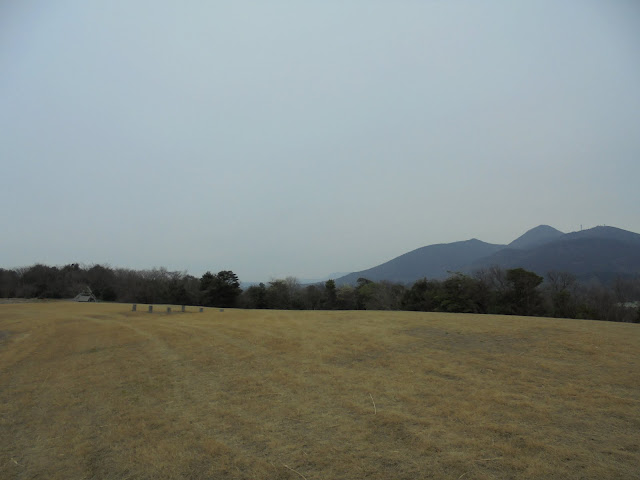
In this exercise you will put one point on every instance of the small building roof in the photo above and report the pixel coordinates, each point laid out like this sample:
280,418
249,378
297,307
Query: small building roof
85,297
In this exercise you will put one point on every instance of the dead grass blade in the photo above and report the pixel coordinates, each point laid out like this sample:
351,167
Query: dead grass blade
294,471
375,410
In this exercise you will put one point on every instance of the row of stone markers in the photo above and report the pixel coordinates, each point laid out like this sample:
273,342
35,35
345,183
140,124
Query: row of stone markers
134,308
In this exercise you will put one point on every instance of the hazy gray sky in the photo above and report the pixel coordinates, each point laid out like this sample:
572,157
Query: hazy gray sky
304,138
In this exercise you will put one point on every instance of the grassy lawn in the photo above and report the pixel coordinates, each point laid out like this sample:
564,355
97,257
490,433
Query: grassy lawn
95,391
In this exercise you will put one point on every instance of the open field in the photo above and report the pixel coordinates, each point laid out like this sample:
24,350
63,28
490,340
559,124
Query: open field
94,391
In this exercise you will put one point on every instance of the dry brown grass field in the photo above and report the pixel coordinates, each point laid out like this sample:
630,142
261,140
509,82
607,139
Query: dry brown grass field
95,391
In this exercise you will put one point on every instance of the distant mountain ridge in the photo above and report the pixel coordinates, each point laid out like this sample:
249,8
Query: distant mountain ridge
599,252
432,261
536,236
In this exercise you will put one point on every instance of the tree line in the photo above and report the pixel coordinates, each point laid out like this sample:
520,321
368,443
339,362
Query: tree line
157,285
489,291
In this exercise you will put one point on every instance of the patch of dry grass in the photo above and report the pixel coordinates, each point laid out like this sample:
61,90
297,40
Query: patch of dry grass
97,391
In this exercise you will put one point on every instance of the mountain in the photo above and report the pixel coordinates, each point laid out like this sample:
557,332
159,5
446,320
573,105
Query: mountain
536,236
601,252
609,233
433,261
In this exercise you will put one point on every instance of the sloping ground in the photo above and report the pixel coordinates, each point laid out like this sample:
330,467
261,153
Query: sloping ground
99,392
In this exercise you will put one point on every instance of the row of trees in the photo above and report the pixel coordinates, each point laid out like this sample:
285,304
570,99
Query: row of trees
157,285
495,291
491,291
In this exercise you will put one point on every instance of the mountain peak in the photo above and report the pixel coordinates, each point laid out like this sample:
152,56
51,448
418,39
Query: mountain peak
606,232
536,236
432,261
600,252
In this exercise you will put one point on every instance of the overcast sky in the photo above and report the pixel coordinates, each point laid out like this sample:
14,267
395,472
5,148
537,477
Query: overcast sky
304,138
